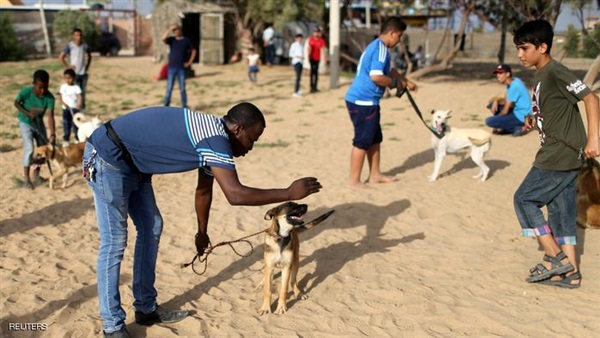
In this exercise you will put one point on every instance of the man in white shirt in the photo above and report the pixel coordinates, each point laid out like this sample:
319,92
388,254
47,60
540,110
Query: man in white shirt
297,55
269,45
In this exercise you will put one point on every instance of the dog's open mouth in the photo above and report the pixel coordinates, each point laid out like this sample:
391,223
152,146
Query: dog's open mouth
296,217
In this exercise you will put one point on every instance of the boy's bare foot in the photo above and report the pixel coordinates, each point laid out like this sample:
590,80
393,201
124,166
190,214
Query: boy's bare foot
357,186
382,179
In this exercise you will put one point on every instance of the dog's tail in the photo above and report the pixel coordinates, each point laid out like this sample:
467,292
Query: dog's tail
79,119
478,142
314,222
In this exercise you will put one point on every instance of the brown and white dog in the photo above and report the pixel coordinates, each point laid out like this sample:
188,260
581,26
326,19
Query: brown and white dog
588,195
282,247
64,157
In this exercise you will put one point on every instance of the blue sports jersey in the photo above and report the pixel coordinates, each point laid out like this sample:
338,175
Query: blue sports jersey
375,60
167,140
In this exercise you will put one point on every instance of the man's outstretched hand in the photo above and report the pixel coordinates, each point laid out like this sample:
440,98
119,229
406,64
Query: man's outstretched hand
202,242
303,187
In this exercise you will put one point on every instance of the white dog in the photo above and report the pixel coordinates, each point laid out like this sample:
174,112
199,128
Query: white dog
455,139
85,127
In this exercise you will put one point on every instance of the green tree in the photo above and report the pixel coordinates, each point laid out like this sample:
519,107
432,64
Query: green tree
10,50
571,46
590,45
66,21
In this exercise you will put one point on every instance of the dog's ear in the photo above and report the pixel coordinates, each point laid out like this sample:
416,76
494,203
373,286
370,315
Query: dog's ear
269,215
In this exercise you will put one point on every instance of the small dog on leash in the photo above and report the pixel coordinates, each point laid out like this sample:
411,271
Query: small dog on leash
455,139
282,250
65,157
588,195
85,127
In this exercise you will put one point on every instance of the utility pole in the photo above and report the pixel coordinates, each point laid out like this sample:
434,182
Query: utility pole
368,13
334,43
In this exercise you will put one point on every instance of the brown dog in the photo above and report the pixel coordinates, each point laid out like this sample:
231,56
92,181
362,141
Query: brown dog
588,195
64,157
282,247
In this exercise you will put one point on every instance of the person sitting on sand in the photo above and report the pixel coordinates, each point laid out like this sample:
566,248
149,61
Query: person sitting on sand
509,112
119,160
373,75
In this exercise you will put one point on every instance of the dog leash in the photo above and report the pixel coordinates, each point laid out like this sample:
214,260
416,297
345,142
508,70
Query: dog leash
418,111
209,250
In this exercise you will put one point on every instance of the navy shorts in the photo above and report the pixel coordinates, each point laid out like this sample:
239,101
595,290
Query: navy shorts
367,129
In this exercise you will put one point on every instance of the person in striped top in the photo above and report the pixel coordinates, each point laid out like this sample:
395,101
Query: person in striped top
119,161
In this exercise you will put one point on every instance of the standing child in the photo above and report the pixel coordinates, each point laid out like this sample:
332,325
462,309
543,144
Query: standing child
33,102
253,62
70,96
373,75
551,182
297,55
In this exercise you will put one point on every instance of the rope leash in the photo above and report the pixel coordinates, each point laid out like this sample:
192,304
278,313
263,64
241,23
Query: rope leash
418,111
209,250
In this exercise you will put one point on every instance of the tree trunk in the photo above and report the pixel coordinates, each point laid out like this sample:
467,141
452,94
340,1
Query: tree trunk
446,61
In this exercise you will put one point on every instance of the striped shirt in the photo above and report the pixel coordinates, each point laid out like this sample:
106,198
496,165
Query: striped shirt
375,60
167,140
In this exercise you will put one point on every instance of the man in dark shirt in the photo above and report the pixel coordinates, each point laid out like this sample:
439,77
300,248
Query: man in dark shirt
179,48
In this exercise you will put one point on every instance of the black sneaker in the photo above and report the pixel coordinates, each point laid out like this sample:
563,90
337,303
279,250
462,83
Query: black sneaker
160,315
122,333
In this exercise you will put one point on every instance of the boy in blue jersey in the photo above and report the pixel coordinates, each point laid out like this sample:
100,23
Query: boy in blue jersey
119,161
373,75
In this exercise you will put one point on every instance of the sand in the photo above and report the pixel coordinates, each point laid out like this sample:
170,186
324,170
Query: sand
407,259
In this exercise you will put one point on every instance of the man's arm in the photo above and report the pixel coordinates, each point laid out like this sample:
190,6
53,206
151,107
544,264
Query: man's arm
62,57
593,120
89,59
192,56
203,200
20,107
507,106
51,126
387,81
165,35
238,194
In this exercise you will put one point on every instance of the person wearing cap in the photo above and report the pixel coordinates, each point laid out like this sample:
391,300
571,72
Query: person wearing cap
315,44
509,115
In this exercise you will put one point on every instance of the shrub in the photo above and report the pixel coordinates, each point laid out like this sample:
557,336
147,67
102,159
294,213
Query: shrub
10,50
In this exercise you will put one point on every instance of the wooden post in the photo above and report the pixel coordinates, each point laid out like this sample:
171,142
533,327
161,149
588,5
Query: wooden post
334,43
45,29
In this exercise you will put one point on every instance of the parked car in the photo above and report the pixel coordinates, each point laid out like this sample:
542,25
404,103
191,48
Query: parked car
108,44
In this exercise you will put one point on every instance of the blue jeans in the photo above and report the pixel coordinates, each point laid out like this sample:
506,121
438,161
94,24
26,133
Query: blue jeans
29,134
557,190
67,121
81,81
509,123
180,74
117,194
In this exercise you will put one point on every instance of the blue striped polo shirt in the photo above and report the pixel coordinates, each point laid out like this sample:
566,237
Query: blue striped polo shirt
165,140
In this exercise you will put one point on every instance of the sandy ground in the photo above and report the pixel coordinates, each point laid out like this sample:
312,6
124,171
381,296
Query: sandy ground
406,259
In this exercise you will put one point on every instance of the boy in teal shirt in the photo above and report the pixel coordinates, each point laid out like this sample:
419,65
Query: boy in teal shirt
33,102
